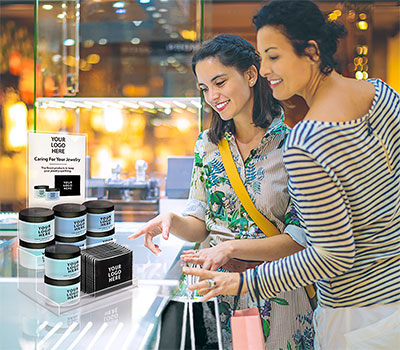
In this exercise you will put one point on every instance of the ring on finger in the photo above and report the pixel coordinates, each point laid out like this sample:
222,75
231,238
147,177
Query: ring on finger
211,284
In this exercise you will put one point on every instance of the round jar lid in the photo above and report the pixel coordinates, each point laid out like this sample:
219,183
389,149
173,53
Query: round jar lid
69,210
52,190
70,239
100,234
36,215
61,283
35,245
62,251
99,206
41,187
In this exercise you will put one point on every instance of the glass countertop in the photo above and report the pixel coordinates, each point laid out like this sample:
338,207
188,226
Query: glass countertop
125,320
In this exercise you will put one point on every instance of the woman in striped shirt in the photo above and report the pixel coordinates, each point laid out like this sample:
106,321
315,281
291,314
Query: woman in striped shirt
343,162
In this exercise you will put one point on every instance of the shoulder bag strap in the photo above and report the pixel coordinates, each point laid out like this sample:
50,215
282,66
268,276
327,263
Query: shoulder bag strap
230,167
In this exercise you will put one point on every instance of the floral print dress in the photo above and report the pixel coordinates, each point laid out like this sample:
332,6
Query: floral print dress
287,319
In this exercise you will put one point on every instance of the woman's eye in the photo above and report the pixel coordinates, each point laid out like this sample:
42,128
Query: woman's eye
219,83
273,57
203,90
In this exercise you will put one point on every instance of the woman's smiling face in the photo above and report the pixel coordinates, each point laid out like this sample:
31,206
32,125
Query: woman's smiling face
224,88
288,73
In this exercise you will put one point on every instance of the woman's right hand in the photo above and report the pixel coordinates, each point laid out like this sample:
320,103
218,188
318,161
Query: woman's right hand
209,258
161,224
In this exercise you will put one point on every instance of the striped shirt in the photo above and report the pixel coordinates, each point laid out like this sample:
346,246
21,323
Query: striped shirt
345,185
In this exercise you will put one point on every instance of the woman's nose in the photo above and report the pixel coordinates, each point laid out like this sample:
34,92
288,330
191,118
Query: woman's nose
265,68
212,95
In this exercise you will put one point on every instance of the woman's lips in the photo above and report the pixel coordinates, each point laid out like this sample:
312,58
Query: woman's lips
221,106
274,83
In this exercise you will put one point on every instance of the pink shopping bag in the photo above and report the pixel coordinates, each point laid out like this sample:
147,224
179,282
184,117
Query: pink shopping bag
247,330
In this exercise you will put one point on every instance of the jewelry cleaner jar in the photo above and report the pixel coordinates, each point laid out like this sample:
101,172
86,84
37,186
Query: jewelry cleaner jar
40,191
64,292
96,238
100,215
79,241
52,194
62,262
71,220
36,225
31,255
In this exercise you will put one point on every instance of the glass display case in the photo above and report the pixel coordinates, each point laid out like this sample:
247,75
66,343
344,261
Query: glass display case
120,72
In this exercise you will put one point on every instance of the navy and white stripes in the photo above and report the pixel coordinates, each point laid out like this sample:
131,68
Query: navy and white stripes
345,185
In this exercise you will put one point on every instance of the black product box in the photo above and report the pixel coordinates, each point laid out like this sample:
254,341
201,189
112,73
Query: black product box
105,268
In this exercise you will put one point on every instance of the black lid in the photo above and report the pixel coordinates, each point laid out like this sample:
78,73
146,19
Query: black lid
99,206
36,214
100,234
69,210
35,245
61,283
62,251
52,189
70,239
41,187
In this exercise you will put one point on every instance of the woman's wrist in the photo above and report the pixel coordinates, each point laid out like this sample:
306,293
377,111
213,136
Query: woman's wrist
230,249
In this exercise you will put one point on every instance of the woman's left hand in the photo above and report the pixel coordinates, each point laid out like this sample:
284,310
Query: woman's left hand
214,283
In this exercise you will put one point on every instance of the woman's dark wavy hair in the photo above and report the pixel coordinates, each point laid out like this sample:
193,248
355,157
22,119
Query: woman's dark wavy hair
234,51
301,21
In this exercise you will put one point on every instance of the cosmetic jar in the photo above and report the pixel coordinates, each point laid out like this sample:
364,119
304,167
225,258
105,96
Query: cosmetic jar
62,262
40,191
79,241
31,255
64,292
36,225
52,194
95,238
100,215
70,220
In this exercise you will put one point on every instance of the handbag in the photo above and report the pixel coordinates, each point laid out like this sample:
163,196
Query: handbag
185,320
261,221
246,325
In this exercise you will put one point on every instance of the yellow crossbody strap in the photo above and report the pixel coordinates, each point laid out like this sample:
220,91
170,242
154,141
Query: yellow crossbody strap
261,221
230,167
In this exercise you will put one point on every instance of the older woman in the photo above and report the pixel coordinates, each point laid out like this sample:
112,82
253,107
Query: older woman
343,162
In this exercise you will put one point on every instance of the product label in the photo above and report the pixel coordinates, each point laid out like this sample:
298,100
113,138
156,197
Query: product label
34,232
100,222
40,193
71,227
114,273
62,269
72,293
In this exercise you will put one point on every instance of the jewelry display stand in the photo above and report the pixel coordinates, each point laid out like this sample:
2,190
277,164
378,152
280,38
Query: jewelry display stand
31,283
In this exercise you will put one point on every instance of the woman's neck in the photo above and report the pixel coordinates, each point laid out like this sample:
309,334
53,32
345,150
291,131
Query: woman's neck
317,84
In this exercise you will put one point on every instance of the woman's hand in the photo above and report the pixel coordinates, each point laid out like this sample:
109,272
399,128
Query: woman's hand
161,224
209,258
215,283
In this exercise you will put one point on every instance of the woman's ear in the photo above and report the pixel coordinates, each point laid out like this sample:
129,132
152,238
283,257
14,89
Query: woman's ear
312,50
252,75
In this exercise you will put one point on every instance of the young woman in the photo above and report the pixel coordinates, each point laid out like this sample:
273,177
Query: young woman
343,161
244,113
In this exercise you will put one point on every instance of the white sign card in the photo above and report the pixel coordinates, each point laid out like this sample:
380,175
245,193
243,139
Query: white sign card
56,169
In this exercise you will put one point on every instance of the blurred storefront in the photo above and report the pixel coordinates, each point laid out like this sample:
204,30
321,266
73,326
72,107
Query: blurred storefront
120,72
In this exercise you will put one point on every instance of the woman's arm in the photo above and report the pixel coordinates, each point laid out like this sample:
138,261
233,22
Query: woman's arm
188,228
264,249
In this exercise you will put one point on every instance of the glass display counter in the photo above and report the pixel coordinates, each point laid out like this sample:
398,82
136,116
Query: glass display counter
124,320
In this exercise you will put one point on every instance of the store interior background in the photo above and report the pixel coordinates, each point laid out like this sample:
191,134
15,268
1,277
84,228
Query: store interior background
142,49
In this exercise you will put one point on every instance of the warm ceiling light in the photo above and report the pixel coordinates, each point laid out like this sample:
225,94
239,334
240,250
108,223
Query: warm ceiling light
118,4
47,7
